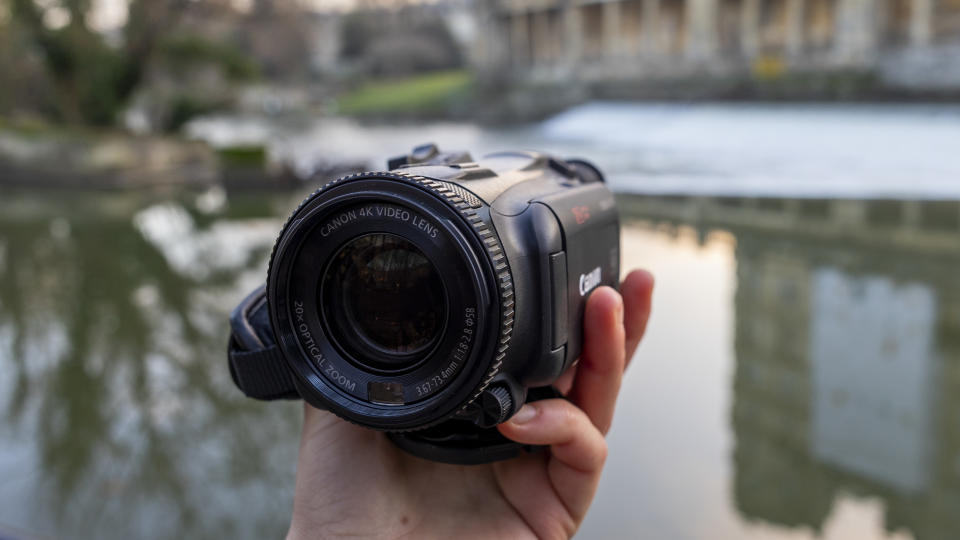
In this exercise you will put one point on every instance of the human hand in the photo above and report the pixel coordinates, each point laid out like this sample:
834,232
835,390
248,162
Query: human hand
352,481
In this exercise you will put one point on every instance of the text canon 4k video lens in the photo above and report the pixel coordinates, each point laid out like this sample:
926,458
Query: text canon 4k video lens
432,300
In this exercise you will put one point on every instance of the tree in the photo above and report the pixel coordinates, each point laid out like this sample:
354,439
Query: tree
92,80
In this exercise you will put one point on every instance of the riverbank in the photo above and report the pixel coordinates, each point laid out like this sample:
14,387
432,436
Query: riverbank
37,156
730,149
45,157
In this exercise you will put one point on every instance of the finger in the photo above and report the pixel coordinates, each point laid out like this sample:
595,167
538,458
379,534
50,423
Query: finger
526,484
565,382
637,290
577,449
602,361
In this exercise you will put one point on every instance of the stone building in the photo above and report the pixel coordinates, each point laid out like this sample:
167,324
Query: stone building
907,43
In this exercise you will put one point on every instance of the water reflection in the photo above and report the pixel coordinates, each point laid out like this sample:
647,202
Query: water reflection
119,420
111,343
847,357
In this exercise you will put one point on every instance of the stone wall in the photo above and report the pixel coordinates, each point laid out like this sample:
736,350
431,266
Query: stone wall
911,44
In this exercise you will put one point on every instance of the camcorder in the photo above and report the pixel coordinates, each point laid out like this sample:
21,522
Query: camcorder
433,300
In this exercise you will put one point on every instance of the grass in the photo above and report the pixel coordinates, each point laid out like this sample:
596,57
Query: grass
34,128
428,93
243,156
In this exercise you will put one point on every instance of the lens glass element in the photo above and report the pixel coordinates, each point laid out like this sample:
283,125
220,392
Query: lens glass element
384,301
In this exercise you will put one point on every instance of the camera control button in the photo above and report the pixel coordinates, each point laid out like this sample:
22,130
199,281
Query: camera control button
558,298
562,168
424,152
496,405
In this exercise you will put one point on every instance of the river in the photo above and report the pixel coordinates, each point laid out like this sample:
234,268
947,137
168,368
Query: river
795,383
774,150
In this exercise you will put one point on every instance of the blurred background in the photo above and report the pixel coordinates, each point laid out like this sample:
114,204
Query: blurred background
789,170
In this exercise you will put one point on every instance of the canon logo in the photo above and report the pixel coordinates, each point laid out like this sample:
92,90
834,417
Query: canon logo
589,281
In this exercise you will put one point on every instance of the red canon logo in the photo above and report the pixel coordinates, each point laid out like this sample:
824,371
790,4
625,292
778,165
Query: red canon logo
581,213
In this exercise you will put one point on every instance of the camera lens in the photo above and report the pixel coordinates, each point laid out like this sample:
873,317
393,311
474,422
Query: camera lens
383,301
390,299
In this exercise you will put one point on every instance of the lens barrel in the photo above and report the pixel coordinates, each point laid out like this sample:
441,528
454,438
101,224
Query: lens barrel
390,299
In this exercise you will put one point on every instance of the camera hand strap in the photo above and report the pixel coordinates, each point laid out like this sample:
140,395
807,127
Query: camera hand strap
256,364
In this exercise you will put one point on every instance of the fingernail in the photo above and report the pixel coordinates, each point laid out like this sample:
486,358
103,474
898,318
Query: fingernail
524,415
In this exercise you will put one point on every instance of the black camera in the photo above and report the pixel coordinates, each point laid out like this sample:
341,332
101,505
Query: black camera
433,300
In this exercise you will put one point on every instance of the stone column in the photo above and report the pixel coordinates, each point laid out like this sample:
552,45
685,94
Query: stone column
649,28
519,39
921,22
856,31
484,52
499,44
750,28
573,28
701,38
612,42
796,14
542,40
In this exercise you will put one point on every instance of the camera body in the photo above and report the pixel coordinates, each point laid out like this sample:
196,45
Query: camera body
433,300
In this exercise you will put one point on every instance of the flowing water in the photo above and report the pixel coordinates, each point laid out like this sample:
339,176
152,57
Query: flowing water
799,378
773,150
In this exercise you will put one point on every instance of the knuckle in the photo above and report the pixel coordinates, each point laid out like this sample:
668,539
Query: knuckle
570,414
601,452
